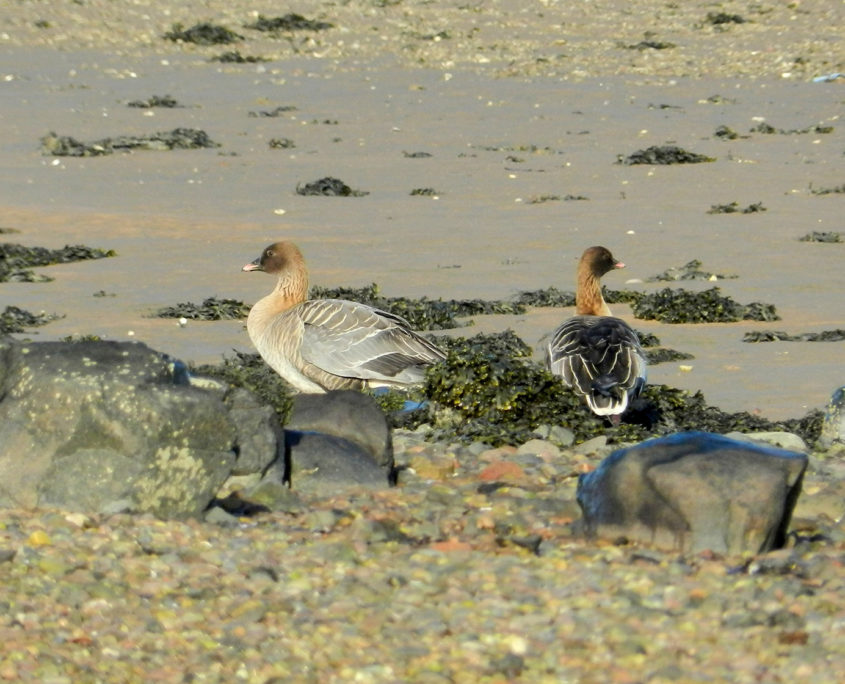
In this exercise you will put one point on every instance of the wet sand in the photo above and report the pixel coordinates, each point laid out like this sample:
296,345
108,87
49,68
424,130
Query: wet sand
184,222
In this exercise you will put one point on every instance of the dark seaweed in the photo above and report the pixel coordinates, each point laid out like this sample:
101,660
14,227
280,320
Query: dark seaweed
235,57
16,320
281,143
721,18
480,393
663,154
288,22
424,313
549,297
837,335
836,189
17,260
178,138
734,208
166,102
651,45
727,133
212,309
330,187
203,34
768,129
662,355
689,271
273,113
683,306
817,236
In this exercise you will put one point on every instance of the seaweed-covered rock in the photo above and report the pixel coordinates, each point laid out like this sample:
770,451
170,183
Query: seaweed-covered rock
481,394
177,139
203,33
683,306
690,492
663,154
328,186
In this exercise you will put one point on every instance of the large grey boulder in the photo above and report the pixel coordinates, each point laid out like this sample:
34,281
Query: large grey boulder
694,491
104,426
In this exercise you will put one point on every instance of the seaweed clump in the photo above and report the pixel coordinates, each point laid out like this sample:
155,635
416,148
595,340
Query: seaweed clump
17,260
482,393
663,155
424,313
289,22
488,390
683,306
328,186
212,309
689,271
164,101
203,33
734,208
16,320
177,139
837,335
822,236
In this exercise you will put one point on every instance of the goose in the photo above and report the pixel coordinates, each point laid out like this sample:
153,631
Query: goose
318,345
595,353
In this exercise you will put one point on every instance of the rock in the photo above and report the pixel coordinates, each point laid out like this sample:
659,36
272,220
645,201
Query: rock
833,427
259,432
694,491
316,463
540,447
348,414
783,440
93,426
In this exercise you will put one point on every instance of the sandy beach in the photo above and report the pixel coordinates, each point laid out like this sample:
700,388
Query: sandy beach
522,111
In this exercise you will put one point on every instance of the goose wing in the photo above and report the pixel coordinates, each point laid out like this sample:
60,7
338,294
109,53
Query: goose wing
594,354
354,340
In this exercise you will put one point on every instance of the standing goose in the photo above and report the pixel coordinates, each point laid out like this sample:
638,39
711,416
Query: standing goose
327,344
596,354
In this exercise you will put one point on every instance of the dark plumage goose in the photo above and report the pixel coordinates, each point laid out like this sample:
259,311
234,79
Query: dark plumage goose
327,344
596,354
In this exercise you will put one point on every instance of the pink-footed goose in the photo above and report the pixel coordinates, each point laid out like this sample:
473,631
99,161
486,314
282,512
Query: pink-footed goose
327,344
596,354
